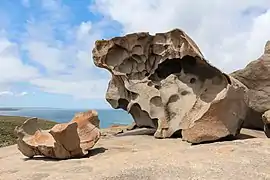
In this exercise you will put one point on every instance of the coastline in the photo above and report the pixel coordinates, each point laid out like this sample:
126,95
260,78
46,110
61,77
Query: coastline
8,124
107,117
9,109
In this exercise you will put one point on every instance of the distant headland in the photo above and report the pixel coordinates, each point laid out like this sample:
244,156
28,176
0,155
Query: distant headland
9,109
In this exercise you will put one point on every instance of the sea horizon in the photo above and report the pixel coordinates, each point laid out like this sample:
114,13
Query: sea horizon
106,116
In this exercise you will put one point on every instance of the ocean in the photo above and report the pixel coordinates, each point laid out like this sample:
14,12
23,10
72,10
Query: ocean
107,117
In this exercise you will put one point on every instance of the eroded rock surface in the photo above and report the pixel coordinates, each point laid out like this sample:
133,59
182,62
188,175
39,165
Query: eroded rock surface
67,140
256,76
266,121
166,84
91,116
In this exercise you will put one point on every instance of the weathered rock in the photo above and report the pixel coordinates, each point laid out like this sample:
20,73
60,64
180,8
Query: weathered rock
91,116
266,121
165,83
256,76
63,141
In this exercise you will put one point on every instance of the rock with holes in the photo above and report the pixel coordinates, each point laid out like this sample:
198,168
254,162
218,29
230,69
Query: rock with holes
67,140
256,76
165,83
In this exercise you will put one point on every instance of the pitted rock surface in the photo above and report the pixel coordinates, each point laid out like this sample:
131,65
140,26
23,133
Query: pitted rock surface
165,83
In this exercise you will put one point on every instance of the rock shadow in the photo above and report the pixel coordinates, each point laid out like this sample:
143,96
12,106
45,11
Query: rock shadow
241,136
96,151
41,158
138,131
244,136
91,152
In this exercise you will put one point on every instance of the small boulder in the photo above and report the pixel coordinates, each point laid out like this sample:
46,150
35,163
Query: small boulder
66,140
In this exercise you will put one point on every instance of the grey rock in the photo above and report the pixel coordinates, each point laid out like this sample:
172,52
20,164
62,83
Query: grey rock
256,77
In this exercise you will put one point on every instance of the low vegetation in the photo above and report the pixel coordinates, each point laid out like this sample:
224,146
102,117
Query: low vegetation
8,124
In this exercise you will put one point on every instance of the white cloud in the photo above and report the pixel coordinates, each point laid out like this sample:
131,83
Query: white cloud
79,89
259,33
83,30
52,58
64,51
230,33
10,93
52,53
12,69
56,10
6,93
69,65
23,94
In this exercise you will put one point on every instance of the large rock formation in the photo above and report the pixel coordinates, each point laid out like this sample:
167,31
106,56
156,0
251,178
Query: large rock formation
165,83
67,140
256,76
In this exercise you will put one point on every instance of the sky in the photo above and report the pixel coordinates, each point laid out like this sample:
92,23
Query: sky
46,45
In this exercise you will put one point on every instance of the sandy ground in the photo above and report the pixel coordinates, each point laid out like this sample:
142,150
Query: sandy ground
140,157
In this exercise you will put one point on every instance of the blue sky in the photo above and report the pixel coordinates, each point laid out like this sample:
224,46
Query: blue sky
45,45
50,42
